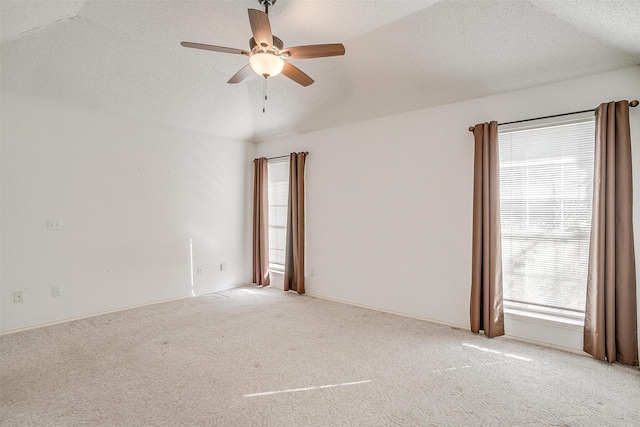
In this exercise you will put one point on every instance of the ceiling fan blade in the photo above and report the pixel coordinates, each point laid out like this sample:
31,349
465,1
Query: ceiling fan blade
261,28
314,51
244,72
216,48
295,74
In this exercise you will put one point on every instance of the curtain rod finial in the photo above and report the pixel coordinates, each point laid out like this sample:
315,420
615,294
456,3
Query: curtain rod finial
471,128
634,103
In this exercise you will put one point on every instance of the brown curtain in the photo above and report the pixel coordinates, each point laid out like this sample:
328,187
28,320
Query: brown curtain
610,324
294,258
486,270
260,223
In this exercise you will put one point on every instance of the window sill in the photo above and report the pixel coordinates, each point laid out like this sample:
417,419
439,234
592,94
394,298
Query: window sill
564,322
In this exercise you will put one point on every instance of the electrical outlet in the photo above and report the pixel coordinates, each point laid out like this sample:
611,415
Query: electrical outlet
199,270
55,291
223,266
18,296
54,224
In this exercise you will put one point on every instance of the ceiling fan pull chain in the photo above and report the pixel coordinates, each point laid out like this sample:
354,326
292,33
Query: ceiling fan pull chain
264,95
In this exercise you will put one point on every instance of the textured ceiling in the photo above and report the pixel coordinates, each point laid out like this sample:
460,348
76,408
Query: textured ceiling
124,57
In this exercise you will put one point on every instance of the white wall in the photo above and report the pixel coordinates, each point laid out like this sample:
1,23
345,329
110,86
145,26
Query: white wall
389,200
131,196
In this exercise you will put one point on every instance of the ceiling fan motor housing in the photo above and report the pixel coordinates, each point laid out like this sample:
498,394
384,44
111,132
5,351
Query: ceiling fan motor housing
277,43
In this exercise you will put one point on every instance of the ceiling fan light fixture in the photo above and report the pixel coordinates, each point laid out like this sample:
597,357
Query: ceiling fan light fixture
266,64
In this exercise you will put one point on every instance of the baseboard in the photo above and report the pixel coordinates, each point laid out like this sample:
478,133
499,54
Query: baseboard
426,319
101,313
545,344
453,325
369,307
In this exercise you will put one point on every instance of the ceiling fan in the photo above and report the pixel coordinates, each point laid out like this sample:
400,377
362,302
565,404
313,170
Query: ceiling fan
267,54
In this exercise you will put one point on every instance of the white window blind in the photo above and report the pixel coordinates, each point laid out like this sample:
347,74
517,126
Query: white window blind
546,186
278,197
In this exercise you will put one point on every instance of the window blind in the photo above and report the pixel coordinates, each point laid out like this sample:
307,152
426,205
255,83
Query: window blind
546,190
278,198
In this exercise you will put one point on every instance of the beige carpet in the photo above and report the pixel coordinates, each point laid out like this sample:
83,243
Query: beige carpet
263,357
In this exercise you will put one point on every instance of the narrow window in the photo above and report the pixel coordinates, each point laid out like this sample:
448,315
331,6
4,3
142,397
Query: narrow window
546,190
278,198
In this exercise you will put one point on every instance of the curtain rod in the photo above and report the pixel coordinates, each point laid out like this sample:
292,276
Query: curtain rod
633,103
306,153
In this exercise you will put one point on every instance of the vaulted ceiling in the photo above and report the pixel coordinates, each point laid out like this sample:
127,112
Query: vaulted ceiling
124,57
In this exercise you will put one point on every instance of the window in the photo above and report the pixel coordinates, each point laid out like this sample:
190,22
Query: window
278,171
546,190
